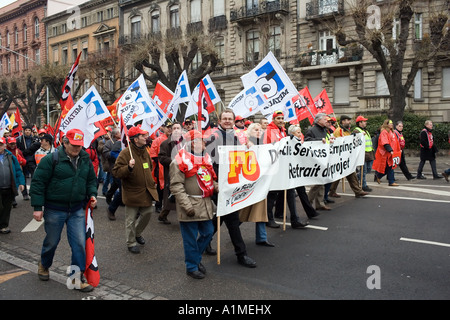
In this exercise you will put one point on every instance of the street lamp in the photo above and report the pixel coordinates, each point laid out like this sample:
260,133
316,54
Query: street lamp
28,58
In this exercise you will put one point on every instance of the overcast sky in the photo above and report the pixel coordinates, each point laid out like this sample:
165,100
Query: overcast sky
6,2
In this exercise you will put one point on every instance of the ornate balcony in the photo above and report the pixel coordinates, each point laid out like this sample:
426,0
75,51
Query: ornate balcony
247,14
217,23
320,9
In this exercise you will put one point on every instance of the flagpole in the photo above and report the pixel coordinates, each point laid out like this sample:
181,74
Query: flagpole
284,211
218,240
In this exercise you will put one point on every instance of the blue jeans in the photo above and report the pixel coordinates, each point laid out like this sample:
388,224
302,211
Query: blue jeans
389,172
193,244
106,182
260,230
54,221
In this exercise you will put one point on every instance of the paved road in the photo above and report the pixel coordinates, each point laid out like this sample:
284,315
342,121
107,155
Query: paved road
395,241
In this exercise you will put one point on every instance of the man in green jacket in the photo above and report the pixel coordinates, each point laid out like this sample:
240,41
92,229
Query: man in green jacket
63,187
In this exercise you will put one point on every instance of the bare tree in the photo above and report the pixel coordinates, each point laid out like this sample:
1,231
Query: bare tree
390,49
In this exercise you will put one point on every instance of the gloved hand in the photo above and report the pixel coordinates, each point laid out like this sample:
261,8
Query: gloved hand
190,212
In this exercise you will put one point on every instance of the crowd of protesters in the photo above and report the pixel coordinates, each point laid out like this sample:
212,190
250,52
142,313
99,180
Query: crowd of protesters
176,169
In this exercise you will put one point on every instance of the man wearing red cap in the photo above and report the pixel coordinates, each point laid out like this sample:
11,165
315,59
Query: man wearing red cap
63,188
361,127
134,167
11,179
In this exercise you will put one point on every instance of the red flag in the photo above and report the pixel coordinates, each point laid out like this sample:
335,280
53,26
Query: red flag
123,132
69,104
205,107
67,88
305,106
322,103
162,97
91,272
17,125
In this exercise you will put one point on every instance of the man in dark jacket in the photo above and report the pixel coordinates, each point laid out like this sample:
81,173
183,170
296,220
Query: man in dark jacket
28,144
11,179
167,151
428,151
63,188
224,135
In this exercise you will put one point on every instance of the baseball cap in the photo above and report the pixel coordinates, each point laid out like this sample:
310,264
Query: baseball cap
76,137
238,118
277,113
360,118
2,140
134,131
11,140
187,121
42,131
344,117
47,137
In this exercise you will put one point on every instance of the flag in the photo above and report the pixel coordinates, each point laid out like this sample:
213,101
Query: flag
305,106
154,122
113,109
272,82
162,96
5,122
68,105
84,114
212,93
91,272
135,104
182,95
248,102
123,132
322,103
67,87
205,107
16,123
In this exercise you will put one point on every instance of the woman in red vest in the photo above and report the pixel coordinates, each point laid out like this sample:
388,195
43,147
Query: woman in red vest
388,150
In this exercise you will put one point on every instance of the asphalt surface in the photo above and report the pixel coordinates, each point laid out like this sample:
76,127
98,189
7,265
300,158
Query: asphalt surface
391,245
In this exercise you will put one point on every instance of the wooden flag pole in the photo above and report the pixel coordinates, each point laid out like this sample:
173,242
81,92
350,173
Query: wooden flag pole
361,172
284,211
218,240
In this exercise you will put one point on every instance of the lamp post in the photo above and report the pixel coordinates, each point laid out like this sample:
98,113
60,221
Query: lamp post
28,58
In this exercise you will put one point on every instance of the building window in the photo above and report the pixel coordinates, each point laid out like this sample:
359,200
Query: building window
1,66
252,45
382,87
220,49
156,25
219,8
418,85
8,40
315,87
8,63
136,27
1,44
36,28
84,22
64,28
197,61
100,16
25,60
74,53
37,56
17,63
109,13
55,31
64,56
196,10
174,16
418,26
327,41
25,35
342,90
55,56
395,28
274,42
84,51
445,82
16,36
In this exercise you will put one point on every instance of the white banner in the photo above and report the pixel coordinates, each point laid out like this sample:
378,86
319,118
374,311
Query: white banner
247,175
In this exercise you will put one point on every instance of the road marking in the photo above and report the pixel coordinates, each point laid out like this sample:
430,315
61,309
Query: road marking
308,226
426,242
12,275
395,197
33,225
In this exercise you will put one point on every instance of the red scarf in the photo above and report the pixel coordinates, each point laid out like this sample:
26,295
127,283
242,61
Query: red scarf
201,167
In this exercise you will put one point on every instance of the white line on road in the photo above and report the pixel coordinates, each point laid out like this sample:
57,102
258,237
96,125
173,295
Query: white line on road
426,242
308,226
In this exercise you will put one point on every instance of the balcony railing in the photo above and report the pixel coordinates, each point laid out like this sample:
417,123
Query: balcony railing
328,57
264,7
217,23
194,27
317,9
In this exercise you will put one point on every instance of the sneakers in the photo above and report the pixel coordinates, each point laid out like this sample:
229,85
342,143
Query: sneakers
393,184
437,177
43,273
5,230
422,177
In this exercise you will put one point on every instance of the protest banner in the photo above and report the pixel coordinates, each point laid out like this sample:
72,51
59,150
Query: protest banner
247,175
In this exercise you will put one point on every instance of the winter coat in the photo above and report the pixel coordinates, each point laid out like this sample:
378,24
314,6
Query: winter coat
189,195
427,152
16,174
138,186
61,186
387,142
